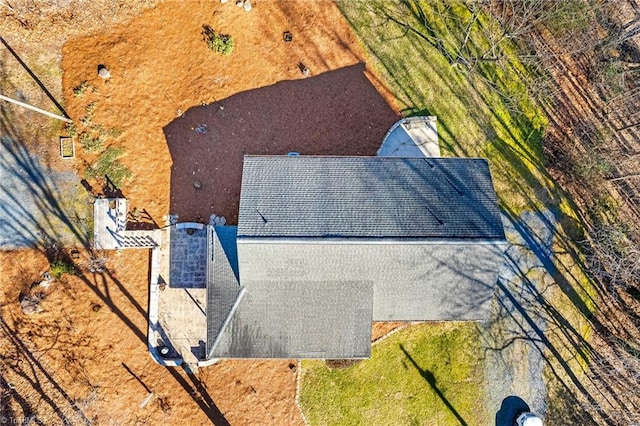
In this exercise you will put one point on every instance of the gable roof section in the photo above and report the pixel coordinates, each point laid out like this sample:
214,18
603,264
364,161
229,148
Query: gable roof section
368,197
300,319
223,288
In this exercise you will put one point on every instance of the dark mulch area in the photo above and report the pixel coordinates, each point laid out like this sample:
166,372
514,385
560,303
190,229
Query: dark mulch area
336,364
335,113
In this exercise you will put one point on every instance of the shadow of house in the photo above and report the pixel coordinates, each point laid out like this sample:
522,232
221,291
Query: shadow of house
336,113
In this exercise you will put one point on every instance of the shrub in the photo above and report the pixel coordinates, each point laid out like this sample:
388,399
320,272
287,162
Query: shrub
592,166
109,164
72,130
115,132
568,18
221,43
81,88
91,142
90,108
60,267
611,75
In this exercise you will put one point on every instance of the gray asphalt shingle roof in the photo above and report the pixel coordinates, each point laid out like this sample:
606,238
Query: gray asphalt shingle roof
411,282
298,319
368,197
223,287
314,271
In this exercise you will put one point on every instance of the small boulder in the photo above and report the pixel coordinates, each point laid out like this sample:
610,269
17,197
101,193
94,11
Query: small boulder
104,72
303,69
29,304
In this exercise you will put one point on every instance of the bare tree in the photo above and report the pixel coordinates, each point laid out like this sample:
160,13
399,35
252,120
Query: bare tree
613,257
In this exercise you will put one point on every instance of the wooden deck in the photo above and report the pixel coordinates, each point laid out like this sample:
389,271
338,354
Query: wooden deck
109,223
109,227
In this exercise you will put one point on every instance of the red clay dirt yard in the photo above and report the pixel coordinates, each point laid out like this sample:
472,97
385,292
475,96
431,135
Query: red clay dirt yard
182,117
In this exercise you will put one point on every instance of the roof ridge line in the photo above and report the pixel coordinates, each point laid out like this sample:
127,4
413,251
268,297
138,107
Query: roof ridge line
368,240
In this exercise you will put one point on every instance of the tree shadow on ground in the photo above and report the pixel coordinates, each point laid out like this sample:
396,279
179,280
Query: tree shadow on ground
431,380
34,77
38,205
26,365
335,113
200,396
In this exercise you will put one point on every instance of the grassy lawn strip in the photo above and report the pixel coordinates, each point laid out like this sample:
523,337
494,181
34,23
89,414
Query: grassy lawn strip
437,59
427,373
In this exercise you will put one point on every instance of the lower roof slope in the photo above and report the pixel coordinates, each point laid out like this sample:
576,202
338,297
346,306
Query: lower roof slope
298,319
223,288
368,197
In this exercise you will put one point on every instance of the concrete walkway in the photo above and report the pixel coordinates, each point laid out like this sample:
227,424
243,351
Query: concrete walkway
182,299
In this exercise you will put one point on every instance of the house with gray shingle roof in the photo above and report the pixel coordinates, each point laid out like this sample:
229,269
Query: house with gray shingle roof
324,246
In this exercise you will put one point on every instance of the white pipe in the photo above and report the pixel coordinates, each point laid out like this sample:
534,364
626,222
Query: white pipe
41,111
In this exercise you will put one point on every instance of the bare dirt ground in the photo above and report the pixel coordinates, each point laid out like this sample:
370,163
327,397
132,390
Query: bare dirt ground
161,69
84,359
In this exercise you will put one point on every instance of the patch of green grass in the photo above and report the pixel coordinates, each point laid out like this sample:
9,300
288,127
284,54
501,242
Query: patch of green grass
91,142
426,374
108,164
60,267
80,90
436,58
221,43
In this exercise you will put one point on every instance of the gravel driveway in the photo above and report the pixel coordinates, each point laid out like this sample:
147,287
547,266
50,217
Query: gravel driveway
513,349
37,204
